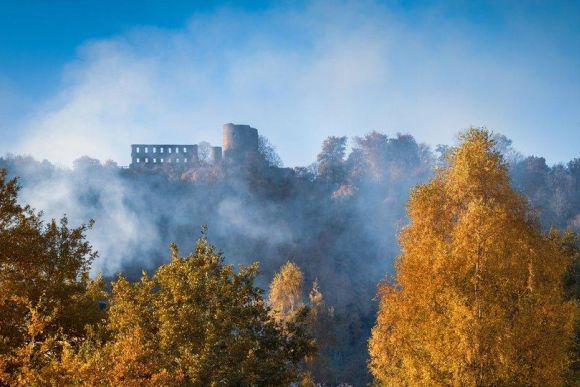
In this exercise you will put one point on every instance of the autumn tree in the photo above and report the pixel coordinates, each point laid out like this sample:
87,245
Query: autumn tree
570,243
287,302
196,322
46,296
286,293
478,295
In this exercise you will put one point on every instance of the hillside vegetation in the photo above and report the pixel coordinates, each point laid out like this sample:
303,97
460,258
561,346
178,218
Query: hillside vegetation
478,292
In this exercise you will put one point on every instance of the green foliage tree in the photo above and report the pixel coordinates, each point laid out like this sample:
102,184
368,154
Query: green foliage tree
478,297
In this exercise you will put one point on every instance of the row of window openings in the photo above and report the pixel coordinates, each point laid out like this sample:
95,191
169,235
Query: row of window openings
146,160
161,150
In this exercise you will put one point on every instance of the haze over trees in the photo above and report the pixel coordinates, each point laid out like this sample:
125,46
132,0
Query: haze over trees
196,321
337,220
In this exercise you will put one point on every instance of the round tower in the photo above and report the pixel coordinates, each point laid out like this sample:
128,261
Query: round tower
240,142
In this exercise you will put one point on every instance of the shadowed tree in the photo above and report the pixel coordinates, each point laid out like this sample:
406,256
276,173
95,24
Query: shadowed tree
287,303
322,327
331,166
268,153
204,152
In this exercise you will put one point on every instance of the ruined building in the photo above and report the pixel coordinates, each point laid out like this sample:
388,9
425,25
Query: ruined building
240,144
149,155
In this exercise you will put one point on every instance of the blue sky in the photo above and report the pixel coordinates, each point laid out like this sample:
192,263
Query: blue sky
90,77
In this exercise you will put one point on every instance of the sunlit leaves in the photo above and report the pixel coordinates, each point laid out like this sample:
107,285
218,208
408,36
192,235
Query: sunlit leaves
478,296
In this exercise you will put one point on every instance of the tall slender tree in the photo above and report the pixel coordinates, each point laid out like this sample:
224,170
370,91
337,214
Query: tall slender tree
322,327
286,294
478,295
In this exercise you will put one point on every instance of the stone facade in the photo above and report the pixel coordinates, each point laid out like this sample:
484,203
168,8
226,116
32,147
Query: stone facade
240,144
150,155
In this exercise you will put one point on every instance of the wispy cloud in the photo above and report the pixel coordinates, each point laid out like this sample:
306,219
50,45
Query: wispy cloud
301,73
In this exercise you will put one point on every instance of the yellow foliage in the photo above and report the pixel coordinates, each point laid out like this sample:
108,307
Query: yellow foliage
286,296
478,296
46,296
195,322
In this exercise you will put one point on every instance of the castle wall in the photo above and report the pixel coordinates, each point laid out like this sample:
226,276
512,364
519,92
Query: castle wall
150,155
240,145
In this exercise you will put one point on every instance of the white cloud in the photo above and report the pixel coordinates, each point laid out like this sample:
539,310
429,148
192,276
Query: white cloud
298,74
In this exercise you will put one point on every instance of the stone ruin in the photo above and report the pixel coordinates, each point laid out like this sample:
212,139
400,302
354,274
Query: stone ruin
240,144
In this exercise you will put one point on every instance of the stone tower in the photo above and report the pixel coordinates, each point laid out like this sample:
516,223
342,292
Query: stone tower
240,143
